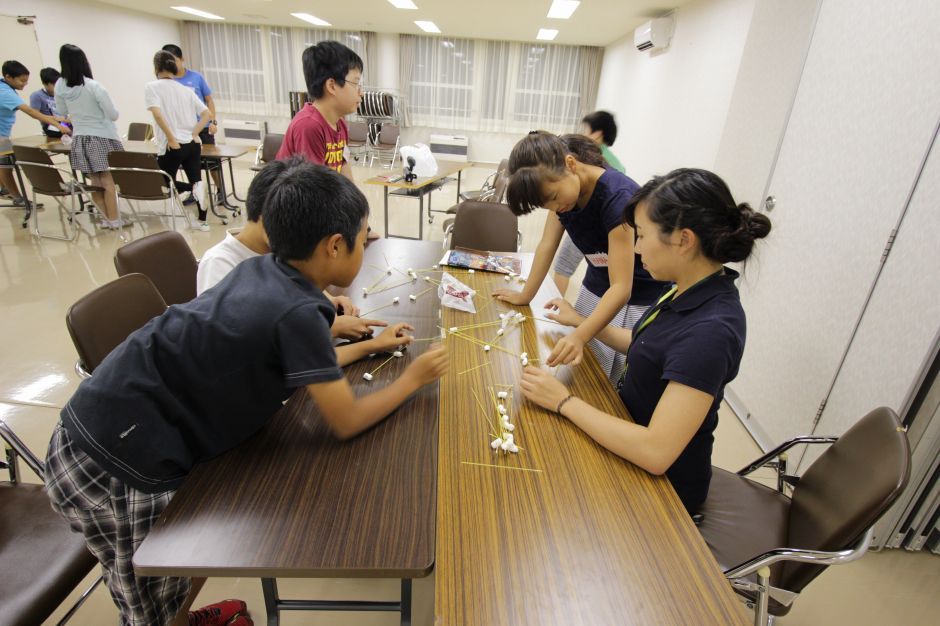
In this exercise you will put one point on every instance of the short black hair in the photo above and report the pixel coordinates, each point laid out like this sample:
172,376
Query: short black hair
173,49
48,75
75,67
326,60
260,186
164,61
602,121
14,69
308,203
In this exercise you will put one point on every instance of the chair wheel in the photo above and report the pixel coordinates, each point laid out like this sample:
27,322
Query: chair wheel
224,222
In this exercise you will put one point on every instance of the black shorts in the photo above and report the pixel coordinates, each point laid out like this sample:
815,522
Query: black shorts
206,138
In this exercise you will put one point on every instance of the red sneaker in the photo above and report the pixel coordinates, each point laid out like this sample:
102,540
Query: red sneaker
218,614
240,620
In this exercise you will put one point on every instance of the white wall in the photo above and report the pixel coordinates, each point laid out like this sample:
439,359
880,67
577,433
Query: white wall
119,43
671,106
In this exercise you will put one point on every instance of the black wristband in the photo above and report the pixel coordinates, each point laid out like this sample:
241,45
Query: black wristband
562,403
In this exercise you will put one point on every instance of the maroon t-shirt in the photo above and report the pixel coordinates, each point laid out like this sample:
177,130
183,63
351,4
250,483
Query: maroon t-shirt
310,135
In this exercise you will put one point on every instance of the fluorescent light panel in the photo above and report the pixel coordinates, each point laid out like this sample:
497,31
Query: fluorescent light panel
547,34
198,13
313,19
428,27
562,9
403,4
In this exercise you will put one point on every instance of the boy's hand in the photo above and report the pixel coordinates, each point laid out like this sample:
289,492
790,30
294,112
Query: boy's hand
510,296
563,312
430,366
392,337
196,138
354,328
345,306
173,144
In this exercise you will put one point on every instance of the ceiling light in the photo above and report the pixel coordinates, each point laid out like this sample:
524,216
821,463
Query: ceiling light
428,27
403,4
198,13
313,19
562,9
547,34
447,44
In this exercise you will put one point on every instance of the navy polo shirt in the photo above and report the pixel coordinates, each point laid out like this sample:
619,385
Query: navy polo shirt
588,228
697,339
204,376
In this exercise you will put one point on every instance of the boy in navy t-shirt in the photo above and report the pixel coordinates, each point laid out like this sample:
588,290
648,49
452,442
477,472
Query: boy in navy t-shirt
206,375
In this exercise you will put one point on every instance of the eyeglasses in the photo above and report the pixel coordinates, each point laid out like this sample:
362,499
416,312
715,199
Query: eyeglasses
352,82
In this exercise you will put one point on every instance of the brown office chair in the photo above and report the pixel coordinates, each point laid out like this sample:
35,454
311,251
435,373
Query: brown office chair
387,145
103,319
483,226
137,176
267,151
358,139
788,541
42,560
139,131
46,179
485,192
166,259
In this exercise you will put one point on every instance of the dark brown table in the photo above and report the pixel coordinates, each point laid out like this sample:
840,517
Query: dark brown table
295,502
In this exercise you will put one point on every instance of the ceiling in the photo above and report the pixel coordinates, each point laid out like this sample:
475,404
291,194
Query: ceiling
595,22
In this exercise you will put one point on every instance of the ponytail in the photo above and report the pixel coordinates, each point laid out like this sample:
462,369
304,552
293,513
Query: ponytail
164,61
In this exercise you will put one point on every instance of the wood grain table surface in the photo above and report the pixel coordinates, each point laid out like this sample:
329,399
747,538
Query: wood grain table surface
564,532
444,169
209,151
295,502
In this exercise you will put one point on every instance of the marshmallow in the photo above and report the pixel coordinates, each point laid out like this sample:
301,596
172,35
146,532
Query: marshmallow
524,355
499,333
521,279
427,279
367,376
520,317
365,291
453,329
512,274
411,270
496,443
434,267
398,354
395,300
486,348
502,410
508,278
507,443
389,269
412,297
525,362
509,427
502,395
514,448
471,270
508,438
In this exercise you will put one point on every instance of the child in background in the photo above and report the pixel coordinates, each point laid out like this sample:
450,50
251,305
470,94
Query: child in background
180,116
15,77
602,129
43,100
688,226
206,375
92,114
568,176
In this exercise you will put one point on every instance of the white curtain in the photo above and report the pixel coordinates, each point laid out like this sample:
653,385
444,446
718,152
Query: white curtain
252,68
497,86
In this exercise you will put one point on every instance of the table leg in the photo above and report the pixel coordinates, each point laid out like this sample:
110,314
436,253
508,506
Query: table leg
269,587
421,215
29,204
386,210
225,202
231,175
459,174
406,595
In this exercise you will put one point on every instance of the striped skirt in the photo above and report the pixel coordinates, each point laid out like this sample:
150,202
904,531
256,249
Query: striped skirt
611,361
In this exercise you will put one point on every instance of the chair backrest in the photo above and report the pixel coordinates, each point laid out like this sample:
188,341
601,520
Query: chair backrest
389,135
485,226
166,259
846,490
499,187
103,319
139,131
44,180
137,185
269,147
358,131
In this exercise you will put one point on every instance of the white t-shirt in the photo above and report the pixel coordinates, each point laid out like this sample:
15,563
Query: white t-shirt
179,106
221,259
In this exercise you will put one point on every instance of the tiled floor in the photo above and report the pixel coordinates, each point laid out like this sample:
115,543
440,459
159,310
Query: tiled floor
39,279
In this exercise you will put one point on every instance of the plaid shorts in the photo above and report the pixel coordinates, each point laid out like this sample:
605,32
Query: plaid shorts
611,361
89,154
114,519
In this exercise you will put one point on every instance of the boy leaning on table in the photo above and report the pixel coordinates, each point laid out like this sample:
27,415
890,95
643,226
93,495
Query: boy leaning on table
205,376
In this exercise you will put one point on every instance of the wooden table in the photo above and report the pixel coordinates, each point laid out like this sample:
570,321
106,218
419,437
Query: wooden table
209,154
295,502
419,188
564,532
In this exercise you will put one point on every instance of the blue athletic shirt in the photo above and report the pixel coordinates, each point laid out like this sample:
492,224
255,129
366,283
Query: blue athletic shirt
204,376
197,83
696,339
589,227
9,102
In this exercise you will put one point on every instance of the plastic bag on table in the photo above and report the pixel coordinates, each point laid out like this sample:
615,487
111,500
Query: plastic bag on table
424,162
455,294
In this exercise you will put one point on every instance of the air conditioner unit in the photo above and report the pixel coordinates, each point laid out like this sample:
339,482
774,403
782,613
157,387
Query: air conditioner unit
243,133
653,35
449,147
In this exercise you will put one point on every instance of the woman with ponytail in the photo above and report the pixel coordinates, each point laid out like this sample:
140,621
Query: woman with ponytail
687,347
569,177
